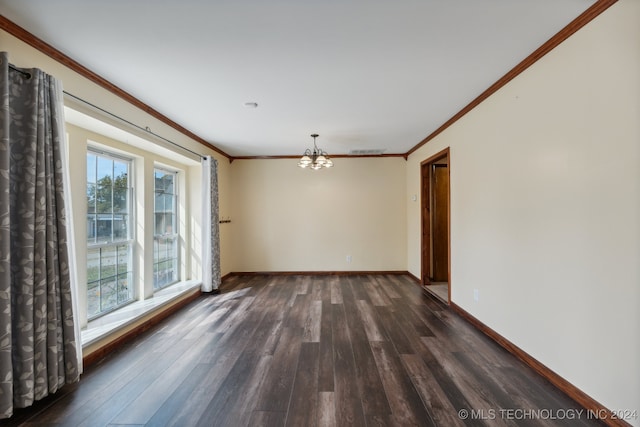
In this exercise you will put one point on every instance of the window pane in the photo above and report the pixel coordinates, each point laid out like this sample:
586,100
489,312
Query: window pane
168,184
162,248
104,196
109,278
120,174
91,169
168,203
93,265
158,280
172,223
120,227
174,270
120,202
93,279
172,249
124,258
109,267
159,183
105,168
91,228
93,298
159,202
108,294
108,262
165,270
91,198
125,288
160,224
103,227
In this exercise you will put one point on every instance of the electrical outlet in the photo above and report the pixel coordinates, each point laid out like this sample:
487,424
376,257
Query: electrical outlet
349,259
476,295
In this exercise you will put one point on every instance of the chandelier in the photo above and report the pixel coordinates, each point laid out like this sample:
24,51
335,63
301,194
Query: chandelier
316,159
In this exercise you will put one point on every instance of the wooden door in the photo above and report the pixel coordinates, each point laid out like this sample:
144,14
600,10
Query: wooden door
426,224
435,207
440,223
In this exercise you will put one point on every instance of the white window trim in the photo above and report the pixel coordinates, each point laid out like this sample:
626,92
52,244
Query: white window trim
130,241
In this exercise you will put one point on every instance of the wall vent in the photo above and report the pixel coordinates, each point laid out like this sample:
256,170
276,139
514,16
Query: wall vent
367,152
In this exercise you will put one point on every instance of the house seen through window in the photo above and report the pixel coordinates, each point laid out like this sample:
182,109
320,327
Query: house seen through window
165,239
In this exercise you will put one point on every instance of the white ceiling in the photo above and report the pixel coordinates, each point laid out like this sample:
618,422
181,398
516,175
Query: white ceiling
364,74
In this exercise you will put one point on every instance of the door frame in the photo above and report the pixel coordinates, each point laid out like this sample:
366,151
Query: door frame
425,217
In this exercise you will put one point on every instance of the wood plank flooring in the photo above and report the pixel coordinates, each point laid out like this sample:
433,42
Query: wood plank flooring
364,350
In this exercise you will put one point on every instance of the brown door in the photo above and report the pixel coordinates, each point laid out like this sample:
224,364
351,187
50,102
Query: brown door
440,223
435,206
426,224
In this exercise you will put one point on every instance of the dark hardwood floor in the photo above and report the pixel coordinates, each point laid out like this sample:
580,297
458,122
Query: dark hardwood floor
367,350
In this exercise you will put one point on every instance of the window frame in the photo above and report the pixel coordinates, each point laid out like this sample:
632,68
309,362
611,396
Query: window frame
175,235
129,241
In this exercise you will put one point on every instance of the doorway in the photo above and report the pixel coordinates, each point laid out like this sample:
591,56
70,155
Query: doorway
435,212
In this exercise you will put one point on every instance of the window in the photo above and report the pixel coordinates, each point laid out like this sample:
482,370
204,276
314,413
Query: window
165,239
109,233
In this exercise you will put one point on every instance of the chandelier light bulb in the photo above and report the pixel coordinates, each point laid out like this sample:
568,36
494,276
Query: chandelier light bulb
315,159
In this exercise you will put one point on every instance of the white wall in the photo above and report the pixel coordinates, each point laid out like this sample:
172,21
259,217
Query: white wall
545,209
290,219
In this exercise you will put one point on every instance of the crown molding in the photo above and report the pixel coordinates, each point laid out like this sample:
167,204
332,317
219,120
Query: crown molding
333,156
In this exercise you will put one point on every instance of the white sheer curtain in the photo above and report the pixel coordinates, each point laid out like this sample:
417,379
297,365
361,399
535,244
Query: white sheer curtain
71,237
211,277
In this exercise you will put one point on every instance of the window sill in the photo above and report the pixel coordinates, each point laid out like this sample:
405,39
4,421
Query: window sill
118,320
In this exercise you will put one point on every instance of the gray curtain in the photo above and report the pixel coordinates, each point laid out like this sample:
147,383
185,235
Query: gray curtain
38,337
211,276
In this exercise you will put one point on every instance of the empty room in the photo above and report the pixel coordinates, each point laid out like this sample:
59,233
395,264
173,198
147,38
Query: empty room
218,213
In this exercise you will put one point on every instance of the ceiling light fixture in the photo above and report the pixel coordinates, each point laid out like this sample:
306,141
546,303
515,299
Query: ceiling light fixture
316,159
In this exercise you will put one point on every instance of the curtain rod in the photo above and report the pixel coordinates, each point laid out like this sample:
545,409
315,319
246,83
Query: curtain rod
20,70
147,130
